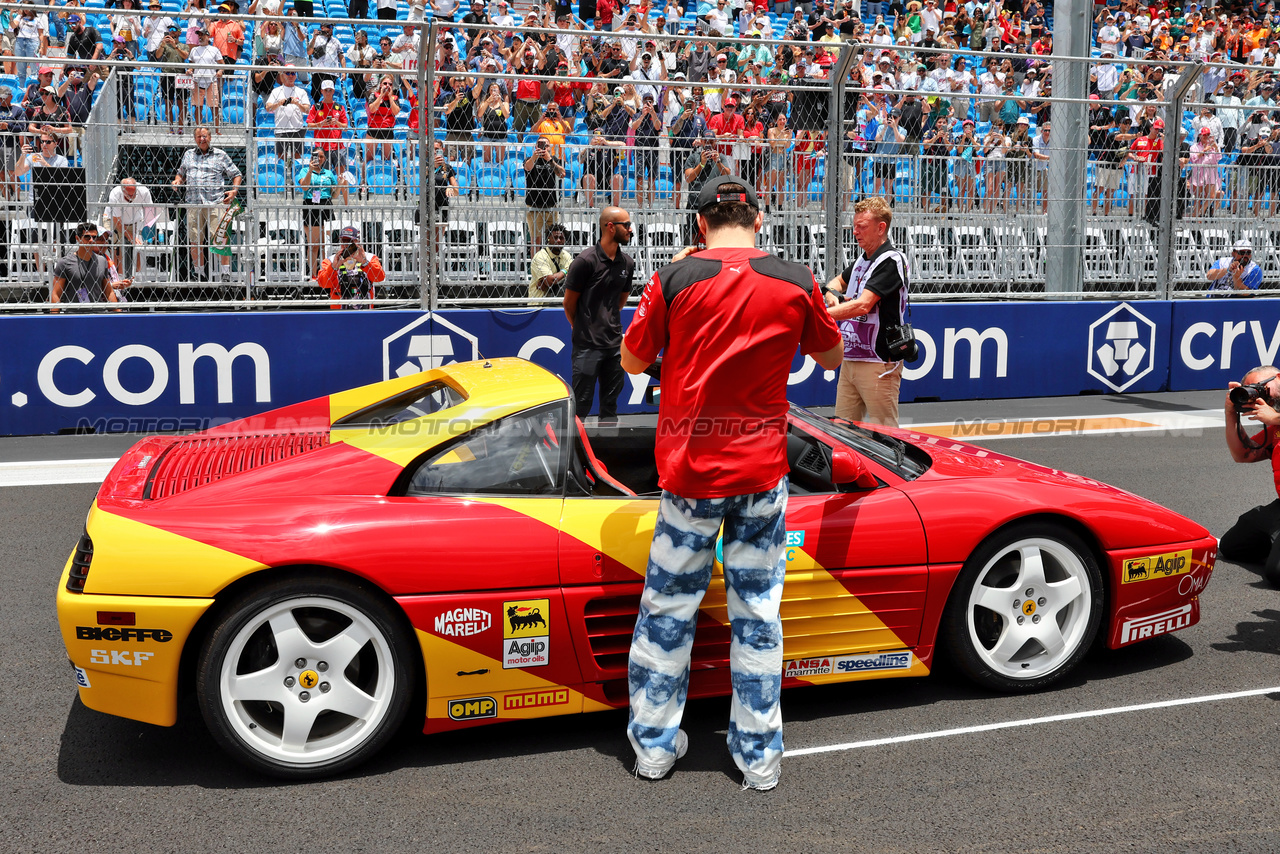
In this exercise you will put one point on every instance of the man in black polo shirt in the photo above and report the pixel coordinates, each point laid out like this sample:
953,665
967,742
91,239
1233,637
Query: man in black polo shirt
596,289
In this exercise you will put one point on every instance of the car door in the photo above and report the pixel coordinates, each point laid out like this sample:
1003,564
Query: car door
855,583
489,504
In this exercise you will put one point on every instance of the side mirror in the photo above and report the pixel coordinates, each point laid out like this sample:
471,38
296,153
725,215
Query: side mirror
847,467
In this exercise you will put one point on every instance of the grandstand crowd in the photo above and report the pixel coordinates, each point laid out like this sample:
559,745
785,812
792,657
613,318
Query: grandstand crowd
952,109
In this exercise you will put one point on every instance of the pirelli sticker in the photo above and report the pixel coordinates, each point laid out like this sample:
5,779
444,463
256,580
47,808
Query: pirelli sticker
1164,565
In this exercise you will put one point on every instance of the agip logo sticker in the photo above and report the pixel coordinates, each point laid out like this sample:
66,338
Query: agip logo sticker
526,636
1157,566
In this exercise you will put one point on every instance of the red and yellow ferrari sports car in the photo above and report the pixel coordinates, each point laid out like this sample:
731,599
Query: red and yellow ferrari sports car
456,542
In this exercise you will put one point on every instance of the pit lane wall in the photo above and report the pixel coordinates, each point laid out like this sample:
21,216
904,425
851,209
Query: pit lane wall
136,373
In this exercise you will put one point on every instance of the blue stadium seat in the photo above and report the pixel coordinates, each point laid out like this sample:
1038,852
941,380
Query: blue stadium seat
271,177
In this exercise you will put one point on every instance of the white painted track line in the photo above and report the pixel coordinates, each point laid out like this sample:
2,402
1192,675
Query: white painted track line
1071,716
51,472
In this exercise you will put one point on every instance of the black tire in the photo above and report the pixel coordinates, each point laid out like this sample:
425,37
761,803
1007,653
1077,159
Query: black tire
980,631
320,718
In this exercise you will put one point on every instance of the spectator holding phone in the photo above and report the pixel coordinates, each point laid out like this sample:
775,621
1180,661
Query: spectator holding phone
542,174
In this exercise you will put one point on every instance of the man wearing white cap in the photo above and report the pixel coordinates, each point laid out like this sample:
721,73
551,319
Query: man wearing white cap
1239,272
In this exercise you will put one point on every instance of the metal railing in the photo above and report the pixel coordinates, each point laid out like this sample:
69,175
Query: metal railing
973,212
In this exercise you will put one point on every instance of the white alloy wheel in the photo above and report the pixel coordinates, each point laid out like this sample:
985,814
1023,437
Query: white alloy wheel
1029,608
304,685
1024,609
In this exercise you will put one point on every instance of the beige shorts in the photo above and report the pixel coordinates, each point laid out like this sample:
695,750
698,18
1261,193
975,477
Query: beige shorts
201,223
1108,178
868,392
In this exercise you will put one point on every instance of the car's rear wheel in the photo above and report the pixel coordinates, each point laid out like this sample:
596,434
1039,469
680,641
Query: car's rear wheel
305,677
1025,608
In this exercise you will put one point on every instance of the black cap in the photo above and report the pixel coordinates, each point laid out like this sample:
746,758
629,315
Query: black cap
711,194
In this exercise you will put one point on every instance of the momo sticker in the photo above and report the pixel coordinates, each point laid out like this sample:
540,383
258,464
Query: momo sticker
526,636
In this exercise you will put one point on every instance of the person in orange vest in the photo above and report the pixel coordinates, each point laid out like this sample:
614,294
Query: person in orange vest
351,273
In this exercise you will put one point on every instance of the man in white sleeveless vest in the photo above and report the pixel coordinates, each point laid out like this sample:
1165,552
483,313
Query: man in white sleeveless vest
866,300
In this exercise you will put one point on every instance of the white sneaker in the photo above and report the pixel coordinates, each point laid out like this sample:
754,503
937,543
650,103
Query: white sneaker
682,747
761,787
226,276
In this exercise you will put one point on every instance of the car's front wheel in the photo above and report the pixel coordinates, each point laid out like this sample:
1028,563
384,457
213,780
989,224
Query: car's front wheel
305,677
1025,608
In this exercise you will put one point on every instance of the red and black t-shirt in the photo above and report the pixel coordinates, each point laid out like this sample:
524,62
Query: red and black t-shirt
728,322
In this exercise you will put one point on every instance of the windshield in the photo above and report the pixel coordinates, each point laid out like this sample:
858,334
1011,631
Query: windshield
902,458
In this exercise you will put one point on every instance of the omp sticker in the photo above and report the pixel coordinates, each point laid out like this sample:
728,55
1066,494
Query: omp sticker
526,638
1164,565
1156,624
472,708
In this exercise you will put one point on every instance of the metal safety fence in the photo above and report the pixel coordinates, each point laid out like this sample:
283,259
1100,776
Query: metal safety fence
1009,177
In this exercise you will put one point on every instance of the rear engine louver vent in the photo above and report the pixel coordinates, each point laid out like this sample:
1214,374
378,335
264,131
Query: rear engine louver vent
80,564
611,621
194,462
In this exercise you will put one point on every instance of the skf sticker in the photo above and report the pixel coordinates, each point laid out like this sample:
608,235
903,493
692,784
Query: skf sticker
472,708
534,699
1157,566
1157,624
82,677
126,657
525,634
463,622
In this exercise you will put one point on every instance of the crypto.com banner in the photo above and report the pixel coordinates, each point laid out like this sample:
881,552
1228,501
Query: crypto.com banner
116,373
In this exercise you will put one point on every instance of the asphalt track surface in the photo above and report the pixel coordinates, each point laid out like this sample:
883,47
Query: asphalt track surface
1201,776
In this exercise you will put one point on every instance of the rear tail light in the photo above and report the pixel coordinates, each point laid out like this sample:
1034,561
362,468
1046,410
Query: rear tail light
80,564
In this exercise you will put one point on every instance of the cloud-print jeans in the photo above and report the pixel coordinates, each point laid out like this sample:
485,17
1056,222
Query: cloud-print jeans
679,570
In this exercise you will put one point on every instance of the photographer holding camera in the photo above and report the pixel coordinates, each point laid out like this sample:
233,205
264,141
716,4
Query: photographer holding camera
1237,273
868,301
351,273
1254,535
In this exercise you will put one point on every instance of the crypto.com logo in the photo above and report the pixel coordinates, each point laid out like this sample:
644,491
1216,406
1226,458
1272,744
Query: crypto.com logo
405,353
1122,347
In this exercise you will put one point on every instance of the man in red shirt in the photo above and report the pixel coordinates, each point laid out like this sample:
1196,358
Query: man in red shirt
728,127
728,321
1144,152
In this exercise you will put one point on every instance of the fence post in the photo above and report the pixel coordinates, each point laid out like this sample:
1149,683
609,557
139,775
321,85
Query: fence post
426,162
1064,270
1169,170
834,194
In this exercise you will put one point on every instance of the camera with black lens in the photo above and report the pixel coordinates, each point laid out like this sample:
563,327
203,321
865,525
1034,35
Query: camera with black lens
353,283
1245,395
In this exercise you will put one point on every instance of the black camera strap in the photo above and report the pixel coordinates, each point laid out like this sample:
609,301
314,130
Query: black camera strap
1246,439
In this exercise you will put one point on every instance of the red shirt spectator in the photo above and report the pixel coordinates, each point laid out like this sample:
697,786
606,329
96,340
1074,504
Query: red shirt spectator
604,14
528,90
726,126
320,112
383,115
1147,150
